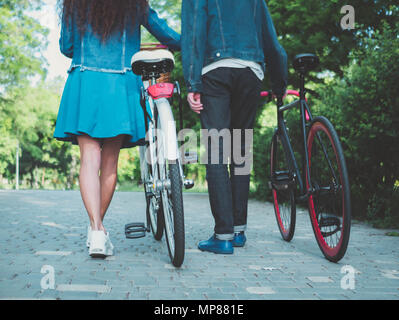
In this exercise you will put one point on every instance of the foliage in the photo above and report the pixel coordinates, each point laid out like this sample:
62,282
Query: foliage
170,9
22,40
364,106
314,26
30,118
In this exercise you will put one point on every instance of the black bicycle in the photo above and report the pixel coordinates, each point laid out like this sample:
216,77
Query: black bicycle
323,183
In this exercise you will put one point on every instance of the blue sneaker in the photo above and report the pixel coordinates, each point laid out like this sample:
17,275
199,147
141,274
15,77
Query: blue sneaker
216,246
239,239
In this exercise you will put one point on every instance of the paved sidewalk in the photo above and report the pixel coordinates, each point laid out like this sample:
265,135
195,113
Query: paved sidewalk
46,231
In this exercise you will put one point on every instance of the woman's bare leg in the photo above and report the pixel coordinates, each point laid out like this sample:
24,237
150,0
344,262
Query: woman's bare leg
89,180
108,171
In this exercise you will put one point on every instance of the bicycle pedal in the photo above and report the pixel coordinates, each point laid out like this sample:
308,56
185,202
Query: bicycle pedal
135,230
149,194
188,184
281,185
329,220
281,181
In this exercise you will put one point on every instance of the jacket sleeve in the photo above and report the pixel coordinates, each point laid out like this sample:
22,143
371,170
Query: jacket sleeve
160,30
275,55
194,32
66,39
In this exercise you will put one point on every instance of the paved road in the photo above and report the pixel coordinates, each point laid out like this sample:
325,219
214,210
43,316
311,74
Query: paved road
43,234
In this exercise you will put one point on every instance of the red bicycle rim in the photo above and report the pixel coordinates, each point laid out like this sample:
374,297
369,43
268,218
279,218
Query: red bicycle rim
331,251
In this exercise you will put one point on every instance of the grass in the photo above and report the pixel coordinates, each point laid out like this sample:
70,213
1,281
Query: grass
121,187
134,187
392,234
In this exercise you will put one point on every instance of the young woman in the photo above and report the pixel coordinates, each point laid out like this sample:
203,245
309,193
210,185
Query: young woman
100,107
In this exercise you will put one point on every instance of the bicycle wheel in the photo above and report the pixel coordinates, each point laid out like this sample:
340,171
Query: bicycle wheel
329,202
283,190
170,174
154,212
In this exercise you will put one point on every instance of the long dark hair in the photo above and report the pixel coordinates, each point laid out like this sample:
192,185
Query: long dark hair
104,16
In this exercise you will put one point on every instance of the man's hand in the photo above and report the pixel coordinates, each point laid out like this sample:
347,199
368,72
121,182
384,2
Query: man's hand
194,100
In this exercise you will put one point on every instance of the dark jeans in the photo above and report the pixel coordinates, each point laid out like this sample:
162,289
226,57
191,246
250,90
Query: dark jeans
230,97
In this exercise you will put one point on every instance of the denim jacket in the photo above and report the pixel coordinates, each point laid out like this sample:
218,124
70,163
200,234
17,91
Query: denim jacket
219,29
89,53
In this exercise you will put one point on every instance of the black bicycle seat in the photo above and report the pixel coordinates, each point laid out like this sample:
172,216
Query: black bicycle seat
156,61
305,62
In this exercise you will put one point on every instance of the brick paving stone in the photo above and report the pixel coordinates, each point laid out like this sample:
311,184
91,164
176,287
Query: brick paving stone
49,228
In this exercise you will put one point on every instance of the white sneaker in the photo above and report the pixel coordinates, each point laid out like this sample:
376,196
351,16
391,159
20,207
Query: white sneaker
108,245
100,244
88,236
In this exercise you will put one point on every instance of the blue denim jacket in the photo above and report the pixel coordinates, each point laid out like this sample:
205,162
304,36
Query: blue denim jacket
89,53
218,29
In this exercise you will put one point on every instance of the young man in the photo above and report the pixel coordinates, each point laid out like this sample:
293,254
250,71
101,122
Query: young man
226,47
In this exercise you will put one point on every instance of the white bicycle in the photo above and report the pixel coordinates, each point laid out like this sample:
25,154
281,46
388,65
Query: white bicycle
160,159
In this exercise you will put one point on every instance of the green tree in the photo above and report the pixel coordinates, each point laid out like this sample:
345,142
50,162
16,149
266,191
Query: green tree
364,106
170,9
314,26
31,120
8,143
22,40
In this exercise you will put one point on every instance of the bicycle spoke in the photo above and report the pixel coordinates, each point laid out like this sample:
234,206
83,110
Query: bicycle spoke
329,200
282,184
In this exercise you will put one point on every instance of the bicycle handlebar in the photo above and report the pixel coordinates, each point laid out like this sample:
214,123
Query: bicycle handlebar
288,93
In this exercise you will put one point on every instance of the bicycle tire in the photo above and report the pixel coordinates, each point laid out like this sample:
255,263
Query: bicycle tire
172,201
283,199
176,247
329,203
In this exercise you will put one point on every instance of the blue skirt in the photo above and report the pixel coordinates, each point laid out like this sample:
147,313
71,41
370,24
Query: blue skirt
101,105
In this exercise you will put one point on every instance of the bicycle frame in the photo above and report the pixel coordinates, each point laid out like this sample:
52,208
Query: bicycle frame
288,150
282,131
160,108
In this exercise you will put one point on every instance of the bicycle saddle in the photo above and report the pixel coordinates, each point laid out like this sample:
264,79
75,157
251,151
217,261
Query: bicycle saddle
155,61
305,62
